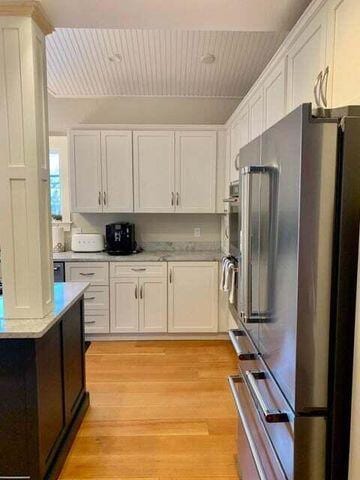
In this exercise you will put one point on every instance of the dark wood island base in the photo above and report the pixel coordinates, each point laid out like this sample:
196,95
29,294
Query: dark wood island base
43,398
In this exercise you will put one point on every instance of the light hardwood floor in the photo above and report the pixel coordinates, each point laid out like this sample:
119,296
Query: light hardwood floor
160,410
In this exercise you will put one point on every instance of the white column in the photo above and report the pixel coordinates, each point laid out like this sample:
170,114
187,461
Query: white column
25,233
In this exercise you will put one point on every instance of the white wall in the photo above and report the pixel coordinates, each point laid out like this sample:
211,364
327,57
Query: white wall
161,227
66,113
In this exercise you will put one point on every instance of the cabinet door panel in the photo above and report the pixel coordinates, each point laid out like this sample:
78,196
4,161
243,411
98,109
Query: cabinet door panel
50,392
117,171
240,135
193,297
256,114
342,51
195,172
73,347
306,58
154,171
275,95
153,304
86,190
124,311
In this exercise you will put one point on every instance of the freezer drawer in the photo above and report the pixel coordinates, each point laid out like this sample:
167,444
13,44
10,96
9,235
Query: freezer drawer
257,459
281,445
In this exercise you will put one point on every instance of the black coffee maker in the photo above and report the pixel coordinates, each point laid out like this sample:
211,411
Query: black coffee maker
120,238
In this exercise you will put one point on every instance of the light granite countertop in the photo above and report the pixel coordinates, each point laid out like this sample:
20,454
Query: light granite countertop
146,256
65,295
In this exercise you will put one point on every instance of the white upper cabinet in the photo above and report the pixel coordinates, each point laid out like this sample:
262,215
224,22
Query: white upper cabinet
85,169
275,94
195,174
256,114
240,136
306,60
117,171
101,171
343,56
154,172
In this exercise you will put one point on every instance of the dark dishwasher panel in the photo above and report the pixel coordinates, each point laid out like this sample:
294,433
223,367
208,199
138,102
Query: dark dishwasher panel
59,272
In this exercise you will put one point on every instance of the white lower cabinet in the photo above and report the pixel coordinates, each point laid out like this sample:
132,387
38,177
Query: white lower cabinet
138,298
124,305
152,305
193,297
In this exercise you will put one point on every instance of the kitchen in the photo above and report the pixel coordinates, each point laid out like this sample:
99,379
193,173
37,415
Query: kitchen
205,220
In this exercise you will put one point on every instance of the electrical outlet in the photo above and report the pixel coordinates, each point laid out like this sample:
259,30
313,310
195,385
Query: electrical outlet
197,232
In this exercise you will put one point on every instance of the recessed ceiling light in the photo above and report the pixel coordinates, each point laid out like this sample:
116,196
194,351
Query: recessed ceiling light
208,58
115,58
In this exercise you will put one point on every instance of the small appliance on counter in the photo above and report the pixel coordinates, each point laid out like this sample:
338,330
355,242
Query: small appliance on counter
87,242
120,239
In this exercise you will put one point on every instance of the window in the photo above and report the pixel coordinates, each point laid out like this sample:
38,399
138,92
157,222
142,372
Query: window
55,185
59,181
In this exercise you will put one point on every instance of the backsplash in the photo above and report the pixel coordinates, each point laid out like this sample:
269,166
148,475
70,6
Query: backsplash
162,231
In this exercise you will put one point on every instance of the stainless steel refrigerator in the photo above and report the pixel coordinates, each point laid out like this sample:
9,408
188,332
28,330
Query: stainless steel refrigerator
299,218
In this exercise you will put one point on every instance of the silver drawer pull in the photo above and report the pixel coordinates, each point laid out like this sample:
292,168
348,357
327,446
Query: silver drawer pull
89,298
231,200
233,334
88,322
87,274
271,416
138,269
232,381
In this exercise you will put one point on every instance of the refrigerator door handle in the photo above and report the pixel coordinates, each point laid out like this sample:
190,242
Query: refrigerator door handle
233,379
246,312
271,416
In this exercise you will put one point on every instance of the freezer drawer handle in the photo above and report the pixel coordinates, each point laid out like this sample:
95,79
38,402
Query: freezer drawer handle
233,379
233,334
271,416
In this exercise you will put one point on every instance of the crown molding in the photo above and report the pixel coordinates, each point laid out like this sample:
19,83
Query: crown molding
28,8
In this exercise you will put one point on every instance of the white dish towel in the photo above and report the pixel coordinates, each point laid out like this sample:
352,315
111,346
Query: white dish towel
232,287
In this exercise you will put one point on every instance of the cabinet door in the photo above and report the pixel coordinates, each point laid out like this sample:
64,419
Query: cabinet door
195,172
256,114
275,94
306,59
154,171
85,168
153,304
239,138
73,354
124,305
117,171
193,297
343,52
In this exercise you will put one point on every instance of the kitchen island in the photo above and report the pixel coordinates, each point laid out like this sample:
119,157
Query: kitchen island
42,380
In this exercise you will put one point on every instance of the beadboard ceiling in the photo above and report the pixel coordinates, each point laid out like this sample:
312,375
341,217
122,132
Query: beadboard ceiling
156,62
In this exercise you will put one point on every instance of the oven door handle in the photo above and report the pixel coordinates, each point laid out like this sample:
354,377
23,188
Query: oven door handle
271,416
233,379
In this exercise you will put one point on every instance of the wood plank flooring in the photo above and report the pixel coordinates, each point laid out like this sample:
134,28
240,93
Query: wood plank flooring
160,410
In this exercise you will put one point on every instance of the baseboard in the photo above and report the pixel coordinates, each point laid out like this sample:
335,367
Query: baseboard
108,337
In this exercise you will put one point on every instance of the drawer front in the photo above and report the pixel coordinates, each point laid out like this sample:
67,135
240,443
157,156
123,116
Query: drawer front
97,321
257,459
96,298
97,273
137,269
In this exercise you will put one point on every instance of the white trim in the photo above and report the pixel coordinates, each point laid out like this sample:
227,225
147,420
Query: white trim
159,336
205,97
300,25
60,144
145,127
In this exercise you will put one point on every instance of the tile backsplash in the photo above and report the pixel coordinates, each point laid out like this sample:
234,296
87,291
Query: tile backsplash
159,231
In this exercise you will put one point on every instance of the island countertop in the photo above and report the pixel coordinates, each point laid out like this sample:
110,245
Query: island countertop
65,295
